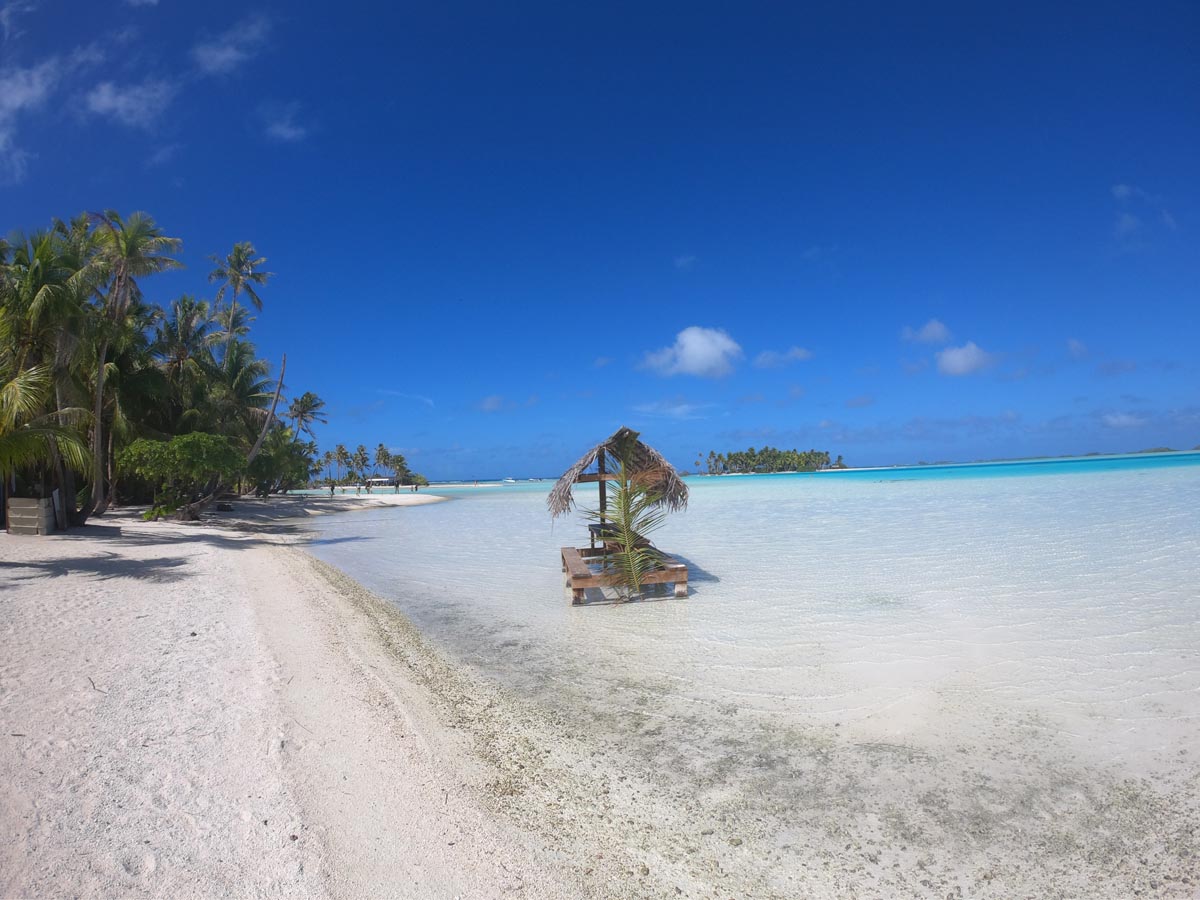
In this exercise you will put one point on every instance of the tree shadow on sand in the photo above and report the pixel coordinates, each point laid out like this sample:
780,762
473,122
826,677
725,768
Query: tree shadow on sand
112,563
103,566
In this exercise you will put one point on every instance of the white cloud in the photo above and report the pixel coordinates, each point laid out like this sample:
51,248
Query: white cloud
1150,206
21,90
230,49
1127,225
135,105
492,403
964,360
1123,420
1076,348
25,90
671,410
418,398
8,17
685,262
706,352
1128,192
860,402
773,359
932,332
602,361
279,123
162,155
141,2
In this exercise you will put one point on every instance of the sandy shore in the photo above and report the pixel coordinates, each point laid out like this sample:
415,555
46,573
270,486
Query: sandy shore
197,711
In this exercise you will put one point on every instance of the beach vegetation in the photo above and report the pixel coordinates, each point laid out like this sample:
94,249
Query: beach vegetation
183,469
282,464
88,360
27,435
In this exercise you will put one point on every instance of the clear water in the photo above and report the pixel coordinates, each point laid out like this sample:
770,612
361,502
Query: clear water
1030,627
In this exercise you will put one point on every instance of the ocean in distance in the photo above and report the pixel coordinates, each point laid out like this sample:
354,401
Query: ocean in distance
986,677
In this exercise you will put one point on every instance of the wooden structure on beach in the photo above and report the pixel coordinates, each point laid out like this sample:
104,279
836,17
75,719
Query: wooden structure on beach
650,469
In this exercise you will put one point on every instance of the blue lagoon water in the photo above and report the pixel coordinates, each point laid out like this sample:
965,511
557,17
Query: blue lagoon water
995,667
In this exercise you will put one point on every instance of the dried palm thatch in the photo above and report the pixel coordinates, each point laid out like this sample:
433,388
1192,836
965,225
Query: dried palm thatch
647,467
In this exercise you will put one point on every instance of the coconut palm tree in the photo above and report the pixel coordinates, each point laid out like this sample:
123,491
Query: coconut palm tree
239,274
126,250
183,339
344,459
361,460
383,458
304,411
45,319
30,437
233,324
242,392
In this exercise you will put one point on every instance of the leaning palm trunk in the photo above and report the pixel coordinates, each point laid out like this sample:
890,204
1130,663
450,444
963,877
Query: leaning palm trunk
270,415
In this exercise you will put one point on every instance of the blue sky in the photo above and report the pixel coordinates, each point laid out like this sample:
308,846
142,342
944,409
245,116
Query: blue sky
943,231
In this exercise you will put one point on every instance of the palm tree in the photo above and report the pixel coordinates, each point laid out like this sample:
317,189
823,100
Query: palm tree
304,411
136,391
29,437
342,457
327,461
127,249
360,461
242,392
234,322
239,274
45,317
183,340
383,457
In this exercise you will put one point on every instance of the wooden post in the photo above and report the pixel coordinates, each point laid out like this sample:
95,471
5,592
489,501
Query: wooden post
603,489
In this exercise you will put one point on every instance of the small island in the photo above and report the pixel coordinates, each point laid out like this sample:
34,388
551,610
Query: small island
770,459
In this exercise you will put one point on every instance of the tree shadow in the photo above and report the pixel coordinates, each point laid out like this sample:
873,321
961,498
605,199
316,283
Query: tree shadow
230,537
104,566
696,573
112,563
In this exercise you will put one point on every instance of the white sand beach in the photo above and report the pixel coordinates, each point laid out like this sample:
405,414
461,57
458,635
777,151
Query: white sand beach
197,711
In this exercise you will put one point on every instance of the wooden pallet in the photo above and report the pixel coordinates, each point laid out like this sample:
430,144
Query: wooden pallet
580,576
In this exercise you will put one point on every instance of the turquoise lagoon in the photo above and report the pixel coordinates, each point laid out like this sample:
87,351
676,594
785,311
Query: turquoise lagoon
994,667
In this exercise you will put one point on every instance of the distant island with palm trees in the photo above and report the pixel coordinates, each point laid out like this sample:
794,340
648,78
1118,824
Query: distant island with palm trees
767,460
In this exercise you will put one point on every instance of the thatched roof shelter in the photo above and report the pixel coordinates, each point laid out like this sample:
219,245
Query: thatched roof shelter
648,466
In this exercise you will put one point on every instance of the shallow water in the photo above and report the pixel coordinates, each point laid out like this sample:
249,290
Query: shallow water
960,666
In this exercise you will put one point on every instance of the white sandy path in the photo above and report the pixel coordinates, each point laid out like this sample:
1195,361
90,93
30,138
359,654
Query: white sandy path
244,736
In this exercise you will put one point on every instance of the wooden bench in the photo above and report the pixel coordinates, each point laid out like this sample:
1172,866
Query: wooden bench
581,577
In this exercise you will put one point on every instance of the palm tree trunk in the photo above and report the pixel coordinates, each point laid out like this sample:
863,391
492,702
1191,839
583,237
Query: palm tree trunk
66,477
112,473
229,336
97,505
262,435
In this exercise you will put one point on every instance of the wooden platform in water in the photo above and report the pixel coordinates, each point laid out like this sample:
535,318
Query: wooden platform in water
581,577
